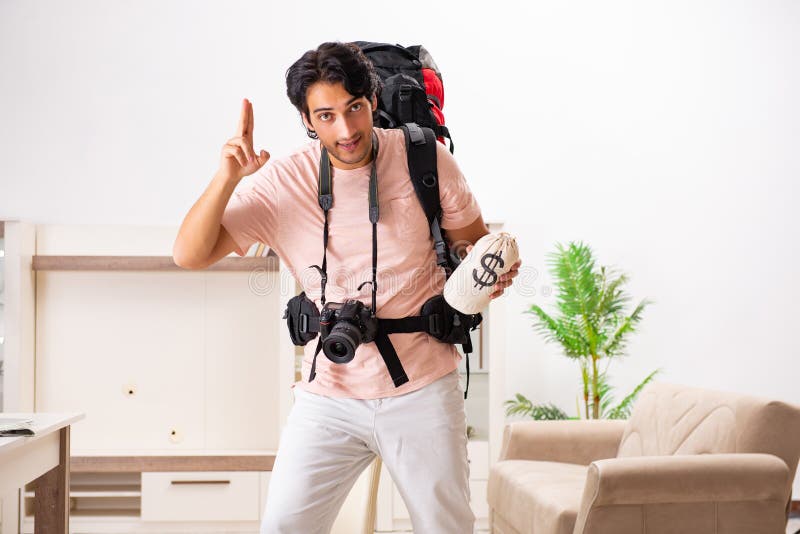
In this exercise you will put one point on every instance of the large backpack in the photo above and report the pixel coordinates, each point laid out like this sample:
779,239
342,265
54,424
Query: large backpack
412,100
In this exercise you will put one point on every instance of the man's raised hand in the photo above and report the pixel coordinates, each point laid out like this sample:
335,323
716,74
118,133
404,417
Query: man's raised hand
238,158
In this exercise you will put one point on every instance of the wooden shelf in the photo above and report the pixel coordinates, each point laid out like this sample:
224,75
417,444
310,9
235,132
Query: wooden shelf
132,514
140,464
147,263
101,491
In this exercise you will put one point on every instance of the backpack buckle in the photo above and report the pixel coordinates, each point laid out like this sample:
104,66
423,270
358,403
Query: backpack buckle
415,133
441,251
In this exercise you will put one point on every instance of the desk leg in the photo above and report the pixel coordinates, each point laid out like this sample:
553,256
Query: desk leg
51,505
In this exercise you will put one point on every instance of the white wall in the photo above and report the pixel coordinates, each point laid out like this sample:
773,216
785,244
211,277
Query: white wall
663,134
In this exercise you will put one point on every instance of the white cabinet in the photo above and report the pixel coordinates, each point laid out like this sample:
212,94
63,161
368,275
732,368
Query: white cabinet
126,348
158,361
169,365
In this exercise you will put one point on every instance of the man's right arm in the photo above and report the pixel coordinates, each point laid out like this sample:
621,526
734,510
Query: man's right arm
202,240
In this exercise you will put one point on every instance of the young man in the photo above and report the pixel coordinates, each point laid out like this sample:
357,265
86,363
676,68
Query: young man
350,412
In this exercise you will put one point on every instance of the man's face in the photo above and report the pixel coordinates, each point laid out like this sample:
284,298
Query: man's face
342,122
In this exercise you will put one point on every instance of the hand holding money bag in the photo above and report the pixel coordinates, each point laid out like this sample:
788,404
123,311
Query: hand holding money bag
469,288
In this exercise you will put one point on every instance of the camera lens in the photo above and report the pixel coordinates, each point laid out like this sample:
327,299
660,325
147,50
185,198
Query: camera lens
340,345
338,349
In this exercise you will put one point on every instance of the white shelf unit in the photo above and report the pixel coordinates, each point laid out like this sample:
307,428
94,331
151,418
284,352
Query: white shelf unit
98,494
170,366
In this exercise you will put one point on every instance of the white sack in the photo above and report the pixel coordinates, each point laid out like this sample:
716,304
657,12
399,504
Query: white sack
469,288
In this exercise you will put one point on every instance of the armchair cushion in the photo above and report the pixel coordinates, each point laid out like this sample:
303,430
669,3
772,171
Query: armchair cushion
533,496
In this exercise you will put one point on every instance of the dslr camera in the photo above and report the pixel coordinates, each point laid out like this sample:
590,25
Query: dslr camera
343,326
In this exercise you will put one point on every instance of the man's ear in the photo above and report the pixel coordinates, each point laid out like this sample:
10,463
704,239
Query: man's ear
374,102
306,121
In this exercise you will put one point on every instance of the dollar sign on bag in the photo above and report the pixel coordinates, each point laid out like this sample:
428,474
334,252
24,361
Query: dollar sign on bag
488,277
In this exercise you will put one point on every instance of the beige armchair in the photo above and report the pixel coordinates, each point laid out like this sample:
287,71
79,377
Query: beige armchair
688,460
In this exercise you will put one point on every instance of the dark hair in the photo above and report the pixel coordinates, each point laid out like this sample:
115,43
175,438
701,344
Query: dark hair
331,62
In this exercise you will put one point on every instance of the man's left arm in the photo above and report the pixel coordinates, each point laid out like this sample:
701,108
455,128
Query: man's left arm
470,235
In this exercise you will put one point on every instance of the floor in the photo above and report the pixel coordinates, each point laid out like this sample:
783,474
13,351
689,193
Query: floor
793,526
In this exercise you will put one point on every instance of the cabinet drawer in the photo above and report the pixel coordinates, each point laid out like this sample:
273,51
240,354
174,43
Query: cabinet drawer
201,496
478,454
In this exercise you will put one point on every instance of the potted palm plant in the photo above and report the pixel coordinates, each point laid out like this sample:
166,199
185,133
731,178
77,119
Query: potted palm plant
592,328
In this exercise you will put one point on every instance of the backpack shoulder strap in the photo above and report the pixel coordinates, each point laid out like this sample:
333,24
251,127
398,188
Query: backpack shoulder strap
421,153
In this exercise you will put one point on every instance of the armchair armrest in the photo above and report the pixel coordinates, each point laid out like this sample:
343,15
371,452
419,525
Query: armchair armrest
618,490
574,442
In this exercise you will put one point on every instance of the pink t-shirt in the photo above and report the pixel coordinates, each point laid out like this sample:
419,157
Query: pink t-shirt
280,209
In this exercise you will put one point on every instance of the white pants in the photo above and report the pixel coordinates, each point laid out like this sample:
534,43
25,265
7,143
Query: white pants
327,442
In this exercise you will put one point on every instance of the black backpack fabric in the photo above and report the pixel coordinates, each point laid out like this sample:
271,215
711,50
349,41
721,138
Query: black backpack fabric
413,90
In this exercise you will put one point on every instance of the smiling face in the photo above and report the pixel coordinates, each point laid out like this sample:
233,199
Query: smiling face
343,123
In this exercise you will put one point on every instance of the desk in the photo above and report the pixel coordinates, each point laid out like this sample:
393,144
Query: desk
44,459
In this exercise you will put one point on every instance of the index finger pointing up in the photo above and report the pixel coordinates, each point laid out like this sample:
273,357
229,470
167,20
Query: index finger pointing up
251,121
243,119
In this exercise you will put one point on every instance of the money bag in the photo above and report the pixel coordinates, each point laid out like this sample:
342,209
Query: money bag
469,287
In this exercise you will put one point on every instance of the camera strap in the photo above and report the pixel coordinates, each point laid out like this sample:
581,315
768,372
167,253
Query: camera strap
325,193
